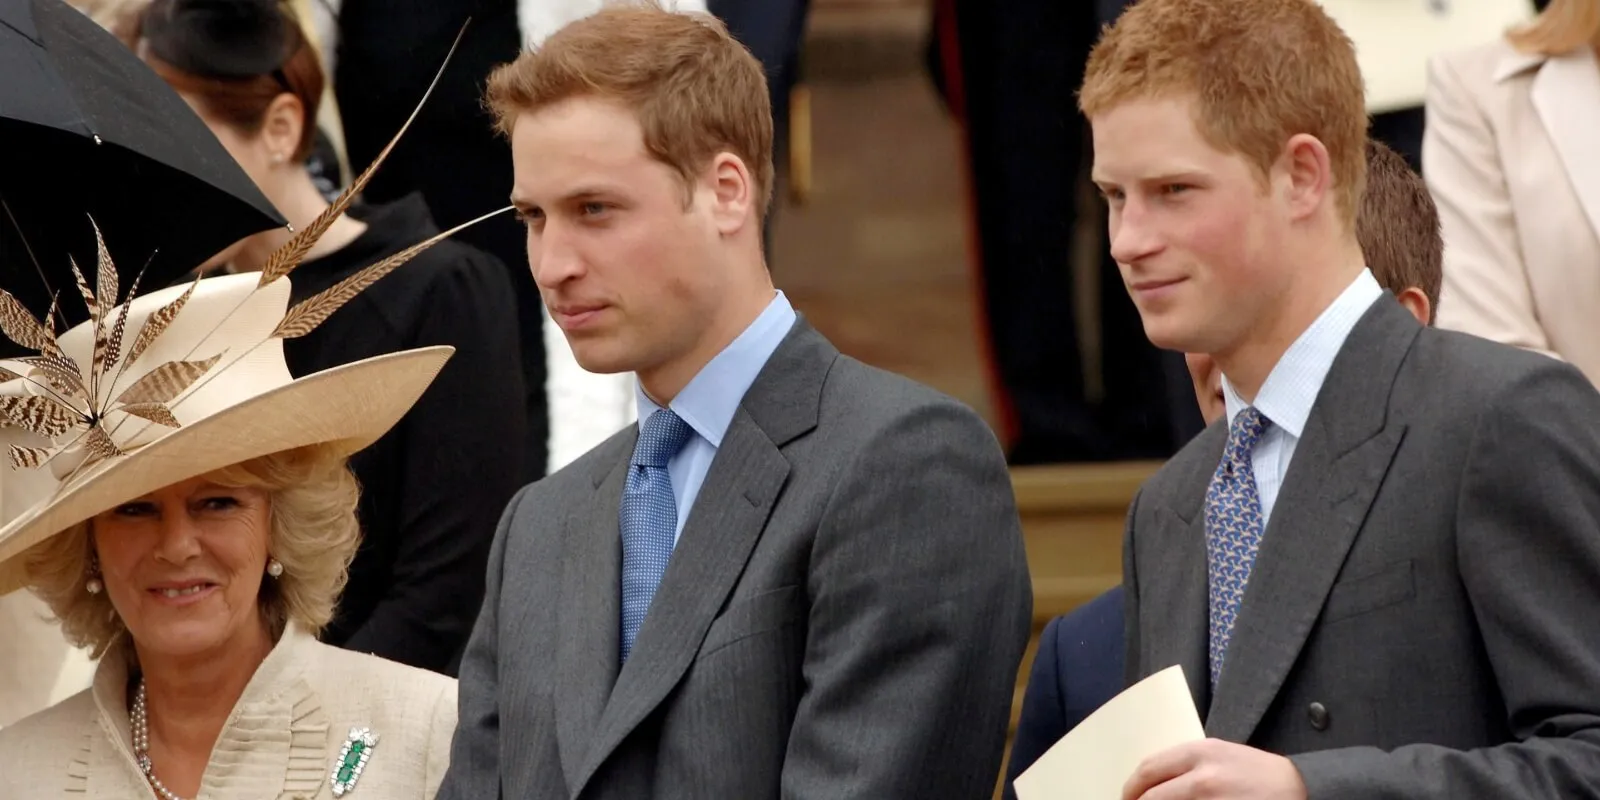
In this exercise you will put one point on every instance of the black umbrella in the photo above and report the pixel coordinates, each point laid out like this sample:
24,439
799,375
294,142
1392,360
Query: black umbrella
86,128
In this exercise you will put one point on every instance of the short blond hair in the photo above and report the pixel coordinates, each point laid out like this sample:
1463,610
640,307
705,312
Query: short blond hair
314,534
695,90
1260,72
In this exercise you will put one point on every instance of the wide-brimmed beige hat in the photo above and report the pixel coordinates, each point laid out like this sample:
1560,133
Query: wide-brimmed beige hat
184,382
109,412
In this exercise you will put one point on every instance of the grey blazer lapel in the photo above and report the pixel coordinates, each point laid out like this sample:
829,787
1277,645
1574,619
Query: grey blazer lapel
746,477
590,610
1176,600
1182,601
1172,587
1338,465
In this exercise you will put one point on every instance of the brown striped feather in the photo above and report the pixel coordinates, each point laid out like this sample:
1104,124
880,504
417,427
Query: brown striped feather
165,382
310,312
28,457
286,258
42,416
99,445
155,412
63,375
83,289
115,346
157,323
20,327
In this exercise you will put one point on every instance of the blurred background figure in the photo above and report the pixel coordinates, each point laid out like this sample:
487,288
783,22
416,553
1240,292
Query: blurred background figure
1512,157
434,487
381,55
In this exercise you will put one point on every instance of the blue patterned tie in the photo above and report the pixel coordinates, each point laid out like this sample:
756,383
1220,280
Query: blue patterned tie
1233,529
649,518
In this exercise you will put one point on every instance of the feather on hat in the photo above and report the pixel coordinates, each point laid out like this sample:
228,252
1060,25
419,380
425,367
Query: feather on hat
183,382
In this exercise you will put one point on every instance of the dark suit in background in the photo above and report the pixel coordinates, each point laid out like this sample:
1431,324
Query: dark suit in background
842,616
1010,72
1077,669
774,32
1420,620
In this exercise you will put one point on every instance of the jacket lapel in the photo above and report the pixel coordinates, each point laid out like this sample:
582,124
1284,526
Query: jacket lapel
1566,94
1173,604
1183,605
590,611
730,512
1338,465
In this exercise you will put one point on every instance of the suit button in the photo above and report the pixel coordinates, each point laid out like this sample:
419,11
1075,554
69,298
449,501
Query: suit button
1319,716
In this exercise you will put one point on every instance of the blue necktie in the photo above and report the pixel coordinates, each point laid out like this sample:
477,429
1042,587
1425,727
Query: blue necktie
649,518
1233,529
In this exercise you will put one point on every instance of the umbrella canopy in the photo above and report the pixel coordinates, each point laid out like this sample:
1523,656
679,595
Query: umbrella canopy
88,130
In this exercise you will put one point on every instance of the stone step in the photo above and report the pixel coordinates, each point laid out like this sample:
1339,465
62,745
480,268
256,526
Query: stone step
858,40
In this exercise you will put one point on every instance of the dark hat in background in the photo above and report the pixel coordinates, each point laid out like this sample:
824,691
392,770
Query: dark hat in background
226,39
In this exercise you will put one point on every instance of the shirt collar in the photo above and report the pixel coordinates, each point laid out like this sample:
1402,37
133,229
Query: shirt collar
1291,388
710,399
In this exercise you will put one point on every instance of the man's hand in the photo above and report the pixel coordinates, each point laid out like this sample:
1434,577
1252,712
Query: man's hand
1213,769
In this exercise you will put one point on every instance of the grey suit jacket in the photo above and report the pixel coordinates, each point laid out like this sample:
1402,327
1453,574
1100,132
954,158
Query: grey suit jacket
843,616
1421,619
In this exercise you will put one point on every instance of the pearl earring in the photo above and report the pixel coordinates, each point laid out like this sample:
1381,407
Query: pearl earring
94,585
274,567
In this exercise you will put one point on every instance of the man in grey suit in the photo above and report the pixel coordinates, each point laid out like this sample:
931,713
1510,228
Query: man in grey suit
798,576
1380,576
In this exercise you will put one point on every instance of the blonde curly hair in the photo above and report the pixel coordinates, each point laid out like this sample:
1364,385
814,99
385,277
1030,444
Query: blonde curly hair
314,534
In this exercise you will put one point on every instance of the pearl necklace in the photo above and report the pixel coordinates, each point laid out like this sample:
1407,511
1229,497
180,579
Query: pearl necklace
141,745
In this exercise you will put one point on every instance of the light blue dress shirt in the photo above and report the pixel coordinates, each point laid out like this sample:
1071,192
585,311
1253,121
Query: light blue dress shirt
1291,389
711,398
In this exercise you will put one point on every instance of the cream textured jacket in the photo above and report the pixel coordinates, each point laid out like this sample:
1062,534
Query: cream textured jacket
281,742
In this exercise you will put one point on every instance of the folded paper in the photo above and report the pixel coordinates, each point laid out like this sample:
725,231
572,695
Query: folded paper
1095,759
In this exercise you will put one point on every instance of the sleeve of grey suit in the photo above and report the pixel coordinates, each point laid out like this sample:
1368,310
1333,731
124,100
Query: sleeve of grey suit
920,611
1528,551
475,752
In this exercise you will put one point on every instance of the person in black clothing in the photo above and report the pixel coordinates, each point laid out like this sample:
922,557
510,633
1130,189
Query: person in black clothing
433,488
387,51
1008,72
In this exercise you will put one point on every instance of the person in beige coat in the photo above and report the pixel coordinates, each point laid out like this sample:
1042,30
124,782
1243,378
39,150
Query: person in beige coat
1512,157
185,508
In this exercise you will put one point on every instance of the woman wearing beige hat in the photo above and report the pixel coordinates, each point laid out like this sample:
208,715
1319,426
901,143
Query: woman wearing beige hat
185,508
